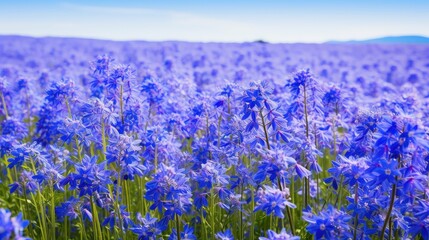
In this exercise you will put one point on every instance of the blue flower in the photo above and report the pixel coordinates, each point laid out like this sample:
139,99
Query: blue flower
90,177
227,90
12,226
169,191
413,135
131,119
419,228
60,91
210,174
272,200
302,78
232,203
153,90
12,126
368,125
26,182
112,219
226,235
321,228
187,234
95,111
69,208
350,169
124,150
50,173
19,154
72,130
253,98
330,223
332,97
266,168
283,235
384,171
102,64
6,145
148,227
200,200
301,171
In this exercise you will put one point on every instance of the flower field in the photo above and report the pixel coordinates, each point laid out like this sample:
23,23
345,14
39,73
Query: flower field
176,140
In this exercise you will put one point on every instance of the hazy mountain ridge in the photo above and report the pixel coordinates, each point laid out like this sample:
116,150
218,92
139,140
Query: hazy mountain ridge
391,39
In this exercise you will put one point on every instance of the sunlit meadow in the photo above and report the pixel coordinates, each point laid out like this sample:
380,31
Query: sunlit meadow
175,140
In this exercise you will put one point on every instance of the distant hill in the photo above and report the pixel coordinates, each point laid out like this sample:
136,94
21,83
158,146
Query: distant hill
382,40
391,39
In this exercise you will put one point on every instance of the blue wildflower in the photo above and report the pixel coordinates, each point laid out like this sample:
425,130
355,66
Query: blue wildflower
283,235
147,228
169,191
302,78
12,226
330,223
90,177
69,208
226,235
186,234
272,200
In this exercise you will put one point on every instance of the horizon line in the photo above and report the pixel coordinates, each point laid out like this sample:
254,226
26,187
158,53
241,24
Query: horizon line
214,41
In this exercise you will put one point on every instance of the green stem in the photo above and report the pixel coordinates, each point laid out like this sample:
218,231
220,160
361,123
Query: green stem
53,218
27,210
83,232
390,228
305,195
66,231
118,209
213,212
252,226
39,215
103,139
306,113
288,210
318,189
141,191
41,205
156,158
278,178
389,211
334,138
204,224
127,193
148,117
340,193
219,130
356,217
241,213
70,115
265,130
121,103
178,227
96,222
306,180
4,105
28,115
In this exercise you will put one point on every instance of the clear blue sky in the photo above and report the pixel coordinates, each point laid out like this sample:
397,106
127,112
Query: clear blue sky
217,20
